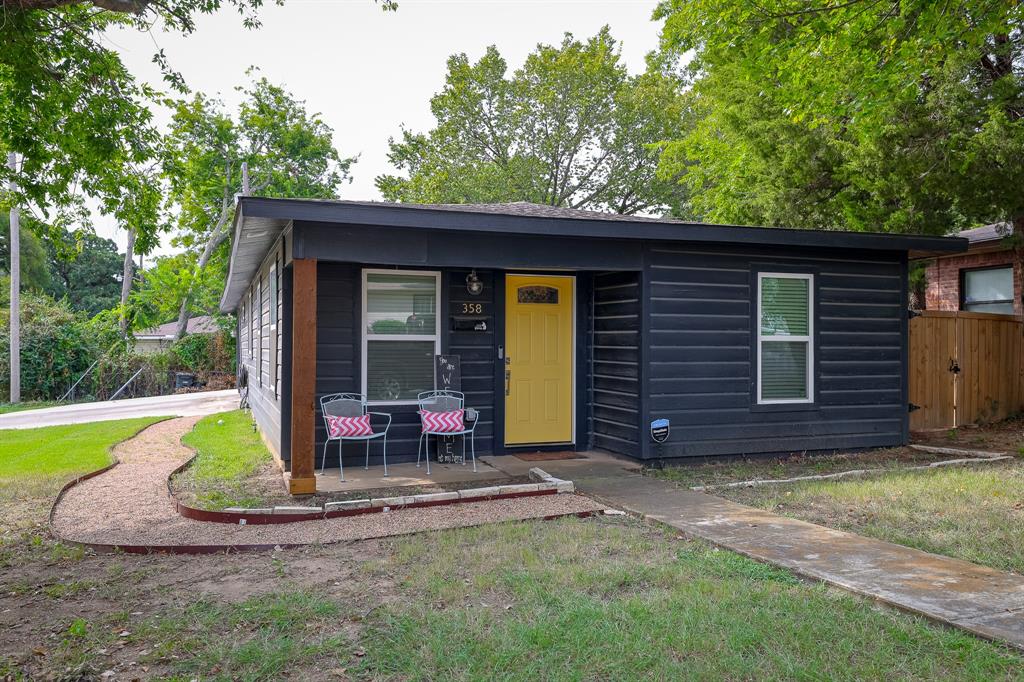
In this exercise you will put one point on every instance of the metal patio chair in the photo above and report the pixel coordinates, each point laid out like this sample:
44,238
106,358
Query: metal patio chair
446,401
351,405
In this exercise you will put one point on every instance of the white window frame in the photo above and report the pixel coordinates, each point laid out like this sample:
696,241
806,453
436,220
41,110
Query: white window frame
808,338
435,337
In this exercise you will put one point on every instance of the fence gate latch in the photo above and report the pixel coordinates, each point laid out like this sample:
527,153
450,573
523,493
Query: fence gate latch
954,366
911,407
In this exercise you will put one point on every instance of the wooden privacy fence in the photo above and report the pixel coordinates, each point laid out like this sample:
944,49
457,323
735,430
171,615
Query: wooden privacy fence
965,368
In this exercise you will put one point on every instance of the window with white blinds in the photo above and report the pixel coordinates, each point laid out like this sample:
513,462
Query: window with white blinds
401,333
785,353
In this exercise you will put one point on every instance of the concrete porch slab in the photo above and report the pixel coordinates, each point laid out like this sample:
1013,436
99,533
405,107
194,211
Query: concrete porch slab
407,474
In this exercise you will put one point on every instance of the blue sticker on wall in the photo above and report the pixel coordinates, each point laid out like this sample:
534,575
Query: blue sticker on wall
659,430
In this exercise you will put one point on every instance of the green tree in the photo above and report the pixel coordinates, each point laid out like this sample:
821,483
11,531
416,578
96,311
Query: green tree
162,287
895,115
570,128
35,275
85,268
287,150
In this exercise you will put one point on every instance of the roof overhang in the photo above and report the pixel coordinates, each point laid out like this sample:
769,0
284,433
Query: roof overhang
254,234
260,221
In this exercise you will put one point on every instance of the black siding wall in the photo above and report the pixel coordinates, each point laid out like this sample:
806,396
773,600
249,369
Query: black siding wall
339,364
702,343
615,364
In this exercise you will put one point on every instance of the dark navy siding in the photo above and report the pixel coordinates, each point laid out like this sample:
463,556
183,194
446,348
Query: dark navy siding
615,364
339,363
702,363
477,351
337,342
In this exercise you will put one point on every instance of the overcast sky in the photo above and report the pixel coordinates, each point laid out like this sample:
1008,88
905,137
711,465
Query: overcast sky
369,72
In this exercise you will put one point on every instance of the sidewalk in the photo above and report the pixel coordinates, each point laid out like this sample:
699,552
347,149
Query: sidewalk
981,600
179,405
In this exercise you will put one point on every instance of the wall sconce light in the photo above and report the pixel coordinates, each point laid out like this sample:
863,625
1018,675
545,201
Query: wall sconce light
473,283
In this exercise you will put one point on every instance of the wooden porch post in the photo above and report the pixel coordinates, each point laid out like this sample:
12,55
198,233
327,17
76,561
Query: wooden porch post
302,478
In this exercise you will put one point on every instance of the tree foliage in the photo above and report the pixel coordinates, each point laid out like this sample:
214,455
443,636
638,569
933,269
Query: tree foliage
161,288
288,152
85,268
57,344
571,127
895,115
35,273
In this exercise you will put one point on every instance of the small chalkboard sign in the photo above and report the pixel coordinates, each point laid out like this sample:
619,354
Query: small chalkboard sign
447,373
448,377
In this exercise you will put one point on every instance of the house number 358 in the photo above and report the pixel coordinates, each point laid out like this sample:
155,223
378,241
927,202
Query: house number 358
472,308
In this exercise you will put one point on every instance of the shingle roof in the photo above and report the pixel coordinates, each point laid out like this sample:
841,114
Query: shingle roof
513,208
987,233
201,324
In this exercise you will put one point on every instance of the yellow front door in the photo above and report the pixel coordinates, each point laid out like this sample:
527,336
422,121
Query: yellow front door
538,359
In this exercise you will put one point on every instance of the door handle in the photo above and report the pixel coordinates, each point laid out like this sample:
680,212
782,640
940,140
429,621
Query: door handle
508,382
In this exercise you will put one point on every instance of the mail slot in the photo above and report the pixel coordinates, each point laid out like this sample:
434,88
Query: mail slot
471,324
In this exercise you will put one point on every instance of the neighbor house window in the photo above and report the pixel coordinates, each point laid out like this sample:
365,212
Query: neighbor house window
401,333
785,354
988,291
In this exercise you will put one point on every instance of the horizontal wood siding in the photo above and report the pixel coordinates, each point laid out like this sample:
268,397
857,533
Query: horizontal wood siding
339,368
476,350
337,342
254,350
615,376
702,363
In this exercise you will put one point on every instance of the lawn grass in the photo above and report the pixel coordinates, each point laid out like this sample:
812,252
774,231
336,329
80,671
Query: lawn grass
603,599
570,599
36,463
229,453
976,514
6,408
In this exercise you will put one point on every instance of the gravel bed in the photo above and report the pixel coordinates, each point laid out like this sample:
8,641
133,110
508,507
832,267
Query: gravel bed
129,505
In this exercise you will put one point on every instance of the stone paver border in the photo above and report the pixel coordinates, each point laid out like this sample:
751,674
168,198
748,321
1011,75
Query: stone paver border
545,484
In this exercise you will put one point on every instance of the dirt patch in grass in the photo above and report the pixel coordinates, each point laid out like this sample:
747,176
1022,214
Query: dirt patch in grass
1005,436
792,466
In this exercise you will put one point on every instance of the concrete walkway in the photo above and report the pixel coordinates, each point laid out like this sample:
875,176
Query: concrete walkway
981,600
180,405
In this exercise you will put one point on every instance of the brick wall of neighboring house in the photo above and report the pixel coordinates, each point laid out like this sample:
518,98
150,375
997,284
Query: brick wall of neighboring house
942,277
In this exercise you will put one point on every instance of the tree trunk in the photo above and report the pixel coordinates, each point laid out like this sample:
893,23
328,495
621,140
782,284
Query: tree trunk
126,282
215,240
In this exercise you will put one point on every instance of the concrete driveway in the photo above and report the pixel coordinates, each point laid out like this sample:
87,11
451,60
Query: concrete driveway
182,405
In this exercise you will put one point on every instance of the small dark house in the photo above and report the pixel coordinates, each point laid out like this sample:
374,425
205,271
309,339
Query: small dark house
572,329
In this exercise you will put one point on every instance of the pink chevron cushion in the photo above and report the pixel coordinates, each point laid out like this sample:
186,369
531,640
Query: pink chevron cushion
348,427
442,422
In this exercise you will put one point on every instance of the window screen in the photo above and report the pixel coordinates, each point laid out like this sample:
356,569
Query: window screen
785,352
400,334
989,291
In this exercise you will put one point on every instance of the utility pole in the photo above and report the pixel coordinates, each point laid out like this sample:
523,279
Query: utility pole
15,244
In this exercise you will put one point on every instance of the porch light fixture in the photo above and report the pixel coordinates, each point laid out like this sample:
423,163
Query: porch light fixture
473,283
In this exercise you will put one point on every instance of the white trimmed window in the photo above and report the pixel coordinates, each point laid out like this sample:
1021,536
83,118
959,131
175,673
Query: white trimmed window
785,353
401,333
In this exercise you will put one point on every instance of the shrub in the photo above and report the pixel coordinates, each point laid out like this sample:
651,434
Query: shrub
57,346
205,352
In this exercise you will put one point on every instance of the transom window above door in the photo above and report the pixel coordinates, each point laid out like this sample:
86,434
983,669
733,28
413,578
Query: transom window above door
988,290
401,333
